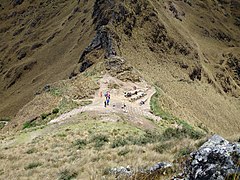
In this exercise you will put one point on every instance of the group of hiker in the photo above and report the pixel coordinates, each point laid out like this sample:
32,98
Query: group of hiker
126,94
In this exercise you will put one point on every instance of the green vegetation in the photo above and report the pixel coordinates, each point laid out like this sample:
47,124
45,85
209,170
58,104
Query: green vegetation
80,143
99,140
45,115
161,148
157,110
33,165
29,124
55,111
183,131
118,142
67,175
55,91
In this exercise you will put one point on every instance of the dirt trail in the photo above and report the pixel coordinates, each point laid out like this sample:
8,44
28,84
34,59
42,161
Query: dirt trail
132,109
134,112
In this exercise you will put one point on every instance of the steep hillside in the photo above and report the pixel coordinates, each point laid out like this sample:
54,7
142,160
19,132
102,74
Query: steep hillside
40,43
188,49
170,69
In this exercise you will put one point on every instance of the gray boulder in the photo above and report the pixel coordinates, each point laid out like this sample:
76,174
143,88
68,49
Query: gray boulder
215,159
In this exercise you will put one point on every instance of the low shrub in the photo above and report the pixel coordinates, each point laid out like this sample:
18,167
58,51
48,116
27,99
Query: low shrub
118,142
45,115
33,165
67,175
161,148
147,137
182,132
80,143
29,124
99,140
55,111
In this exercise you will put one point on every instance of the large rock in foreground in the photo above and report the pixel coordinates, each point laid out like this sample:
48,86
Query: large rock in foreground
215,159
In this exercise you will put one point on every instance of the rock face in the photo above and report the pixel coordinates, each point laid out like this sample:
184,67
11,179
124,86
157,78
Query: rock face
101,40
118,67
216,159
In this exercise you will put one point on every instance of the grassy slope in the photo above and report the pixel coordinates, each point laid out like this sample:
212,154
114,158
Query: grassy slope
86,146
62,51
197,102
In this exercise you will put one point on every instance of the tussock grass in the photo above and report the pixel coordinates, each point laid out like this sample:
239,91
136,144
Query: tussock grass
33,165
99,140
67,175
88,146
80,143
29,124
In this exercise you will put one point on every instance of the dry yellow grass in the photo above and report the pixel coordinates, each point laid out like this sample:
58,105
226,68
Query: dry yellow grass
52,151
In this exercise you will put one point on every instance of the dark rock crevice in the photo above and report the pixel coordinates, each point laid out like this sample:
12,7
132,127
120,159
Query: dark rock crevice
102,40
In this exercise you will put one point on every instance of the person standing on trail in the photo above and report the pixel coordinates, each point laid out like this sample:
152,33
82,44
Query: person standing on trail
107,96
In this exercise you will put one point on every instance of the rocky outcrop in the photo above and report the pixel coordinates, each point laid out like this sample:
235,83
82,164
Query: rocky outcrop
216,159
119,68
101,40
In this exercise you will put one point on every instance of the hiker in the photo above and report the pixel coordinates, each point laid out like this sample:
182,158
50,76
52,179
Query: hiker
105,104
100,94
107,95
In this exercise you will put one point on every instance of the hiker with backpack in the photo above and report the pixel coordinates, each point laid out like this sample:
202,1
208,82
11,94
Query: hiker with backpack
107,96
